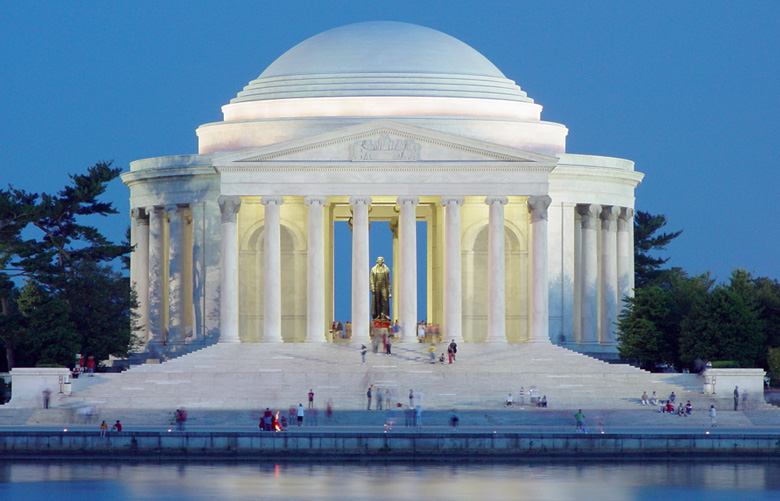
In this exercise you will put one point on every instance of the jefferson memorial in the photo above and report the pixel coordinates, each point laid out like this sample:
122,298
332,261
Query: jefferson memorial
390,122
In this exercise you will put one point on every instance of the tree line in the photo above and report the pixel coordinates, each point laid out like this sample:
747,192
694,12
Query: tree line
682,320
60,291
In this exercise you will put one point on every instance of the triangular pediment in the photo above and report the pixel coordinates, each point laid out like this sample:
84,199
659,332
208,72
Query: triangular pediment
385,141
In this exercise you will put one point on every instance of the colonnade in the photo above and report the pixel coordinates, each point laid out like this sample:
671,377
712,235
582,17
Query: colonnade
605,270
360,205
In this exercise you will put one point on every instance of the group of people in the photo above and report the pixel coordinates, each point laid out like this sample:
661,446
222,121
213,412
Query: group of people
382,398
84,365
533,396
117,427
452,352
340,331
428,332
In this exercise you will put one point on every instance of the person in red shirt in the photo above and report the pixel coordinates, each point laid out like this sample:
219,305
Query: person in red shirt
117,426
91,365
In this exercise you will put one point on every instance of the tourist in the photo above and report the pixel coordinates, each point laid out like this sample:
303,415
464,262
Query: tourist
363,351
103,429
713,416
542,401
508,401
181,419
736,398
91,366
681,410
441,358
311,398
299,415
654,399
380,398
117,427
521,396
384,341
411,398
454,419
387,399
396,329
644,398
268,417
329,409
421,332
669,407
418,415
46,398
368,397
432,353
688,408
579,418
389,347
672,397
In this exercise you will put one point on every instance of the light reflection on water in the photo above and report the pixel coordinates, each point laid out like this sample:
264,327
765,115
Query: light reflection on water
353,481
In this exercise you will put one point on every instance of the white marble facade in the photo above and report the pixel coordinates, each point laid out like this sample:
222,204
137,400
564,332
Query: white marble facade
394,122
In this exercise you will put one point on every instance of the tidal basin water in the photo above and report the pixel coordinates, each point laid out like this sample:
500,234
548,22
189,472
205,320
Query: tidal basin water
378,481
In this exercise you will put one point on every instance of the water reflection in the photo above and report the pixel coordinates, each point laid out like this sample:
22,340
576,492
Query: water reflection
348,481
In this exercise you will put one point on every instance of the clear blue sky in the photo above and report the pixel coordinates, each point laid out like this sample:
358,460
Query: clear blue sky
689,90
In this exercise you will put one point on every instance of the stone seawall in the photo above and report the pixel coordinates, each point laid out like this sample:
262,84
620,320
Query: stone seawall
384,446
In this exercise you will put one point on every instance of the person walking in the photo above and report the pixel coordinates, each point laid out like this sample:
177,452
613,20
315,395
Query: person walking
299,414
579,418
452,350
368,398
363,351
713,416
736,398
311,398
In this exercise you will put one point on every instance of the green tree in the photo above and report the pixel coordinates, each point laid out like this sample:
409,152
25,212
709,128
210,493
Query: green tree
767,293
50,337
727,326
647,241
649,325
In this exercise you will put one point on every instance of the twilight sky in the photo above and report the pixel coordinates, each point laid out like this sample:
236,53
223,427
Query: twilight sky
688,90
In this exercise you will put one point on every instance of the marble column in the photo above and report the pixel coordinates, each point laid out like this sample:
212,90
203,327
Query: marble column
609,274
272,272
407,226
453,289
360,269
140,273
315,286
589,260
228,284
540,293
496,329
175,218
624,254
156,254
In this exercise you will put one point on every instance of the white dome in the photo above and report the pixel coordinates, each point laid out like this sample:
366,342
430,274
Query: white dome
381,59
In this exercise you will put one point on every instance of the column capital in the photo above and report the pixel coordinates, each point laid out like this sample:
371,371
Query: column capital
140,215
275,200
228,207
310,201
588,212
359,201
490,200
448,201
537,206
626,214
406,199
608,215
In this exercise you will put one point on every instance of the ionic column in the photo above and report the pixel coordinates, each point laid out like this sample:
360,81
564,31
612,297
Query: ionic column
407,226
315,287
609,273
360,269
228,284
496,271
624,253
540,315
156,253
453,318
590,272
272,272
175,219
139,269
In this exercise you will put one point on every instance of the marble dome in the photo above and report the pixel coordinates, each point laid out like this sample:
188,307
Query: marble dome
381,58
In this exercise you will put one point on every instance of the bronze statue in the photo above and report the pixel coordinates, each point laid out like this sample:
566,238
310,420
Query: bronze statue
379,282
